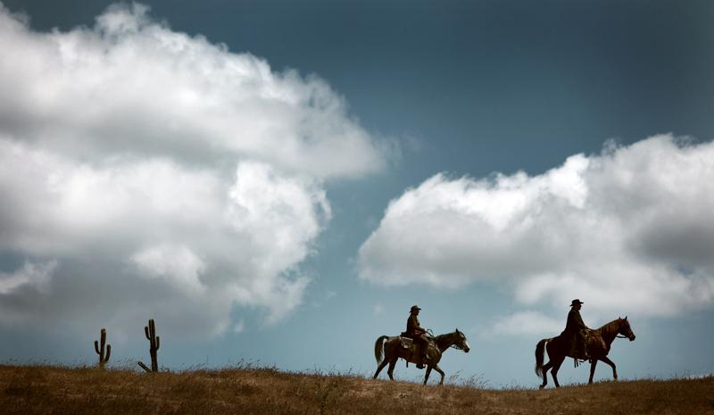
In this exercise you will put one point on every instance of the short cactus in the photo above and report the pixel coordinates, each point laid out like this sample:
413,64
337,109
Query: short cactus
100,349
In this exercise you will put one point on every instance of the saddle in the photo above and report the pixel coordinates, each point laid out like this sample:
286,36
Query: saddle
594,343
406,342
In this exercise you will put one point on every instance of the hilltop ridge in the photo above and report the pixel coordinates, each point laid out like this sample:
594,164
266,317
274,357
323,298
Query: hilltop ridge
29,390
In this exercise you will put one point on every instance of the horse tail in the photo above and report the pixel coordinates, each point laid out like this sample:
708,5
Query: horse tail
539,354
379,348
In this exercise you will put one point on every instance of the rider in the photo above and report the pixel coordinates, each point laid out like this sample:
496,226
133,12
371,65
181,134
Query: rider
576,332
416,332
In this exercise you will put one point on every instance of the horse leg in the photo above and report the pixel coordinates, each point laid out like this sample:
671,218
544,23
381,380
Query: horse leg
556,368
545,369
380,367
392,364
593,363
428,372
441,372
612,365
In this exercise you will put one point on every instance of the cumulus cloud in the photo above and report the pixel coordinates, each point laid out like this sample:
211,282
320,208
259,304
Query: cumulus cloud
631,229
132,85
146,172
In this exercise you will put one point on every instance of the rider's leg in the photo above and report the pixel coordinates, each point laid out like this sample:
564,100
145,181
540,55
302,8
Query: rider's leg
421,346
582,346
425,348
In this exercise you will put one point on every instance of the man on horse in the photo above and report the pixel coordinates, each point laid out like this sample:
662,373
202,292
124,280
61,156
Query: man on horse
576,332
418,334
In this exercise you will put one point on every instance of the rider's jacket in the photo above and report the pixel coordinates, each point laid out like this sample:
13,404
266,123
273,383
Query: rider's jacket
575,323
413,326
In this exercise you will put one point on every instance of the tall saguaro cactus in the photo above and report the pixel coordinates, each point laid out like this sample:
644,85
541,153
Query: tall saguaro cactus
100,349
154,340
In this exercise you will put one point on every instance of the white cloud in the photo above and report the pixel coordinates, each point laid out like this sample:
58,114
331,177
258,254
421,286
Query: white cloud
378,309
631,229
161,175
177,264
35,275
527,323
239,327
200,244
132,85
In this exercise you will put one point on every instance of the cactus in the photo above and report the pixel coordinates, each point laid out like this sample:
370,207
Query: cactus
100,349
154,342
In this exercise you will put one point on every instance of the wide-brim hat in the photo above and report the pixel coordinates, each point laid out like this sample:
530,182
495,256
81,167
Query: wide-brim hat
576,302
415,307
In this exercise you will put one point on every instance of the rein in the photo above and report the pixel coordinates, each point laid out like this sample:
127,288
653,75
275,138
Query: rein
450,338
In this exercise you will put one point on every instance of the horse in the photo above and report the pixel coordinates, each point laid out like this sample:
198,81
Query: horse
393,351
598,346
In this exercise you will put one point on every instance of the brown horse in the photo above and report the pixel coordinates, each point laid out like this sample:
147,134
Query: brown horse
393,350
598,346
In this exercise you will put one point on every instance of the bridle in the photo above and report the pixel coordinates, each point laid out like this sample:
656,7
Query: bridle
456,346
622,336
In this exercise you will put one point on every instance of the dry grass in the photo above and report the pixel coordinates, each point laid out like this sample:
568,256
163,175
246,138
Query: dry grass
47,390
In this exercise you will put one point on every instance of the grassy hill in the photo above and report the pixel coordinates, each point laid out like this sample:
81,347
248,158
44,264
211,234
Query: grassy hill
53,390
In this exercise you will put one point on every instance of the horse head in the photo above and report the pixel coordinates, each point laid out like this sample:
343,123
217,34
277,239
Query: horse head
461,342
625,329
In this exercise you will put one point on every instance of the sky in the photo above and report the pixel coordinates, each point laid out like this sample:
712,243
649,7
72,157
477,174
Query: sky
279,182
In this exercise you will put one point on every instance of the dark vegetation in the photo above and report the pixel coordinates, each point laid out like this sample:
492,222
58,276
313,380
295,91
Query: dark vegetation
47,390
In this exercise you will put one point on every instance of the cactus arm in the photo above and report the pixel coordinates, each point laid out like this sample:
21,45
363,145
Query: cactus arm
158,339
143,366
146,331
109,352
96,347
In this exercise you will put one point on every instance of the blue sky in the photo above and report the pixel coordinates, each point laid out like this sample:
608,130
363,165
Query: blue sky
280,181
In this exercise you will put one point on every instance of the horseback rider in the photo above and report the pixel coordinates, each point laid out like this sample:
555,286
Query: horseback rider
418,334
576,332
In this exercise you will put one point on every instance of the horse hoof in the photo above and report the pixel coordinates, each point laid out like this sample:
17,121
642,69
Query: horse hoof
541,386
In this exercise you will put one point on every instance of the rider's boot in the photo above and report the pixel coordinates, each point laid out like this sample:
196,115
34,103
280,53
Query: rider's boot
584,353
420,364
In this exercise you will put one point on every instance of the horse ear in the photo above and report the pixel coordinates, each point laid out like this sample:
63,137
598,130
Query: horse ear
625,317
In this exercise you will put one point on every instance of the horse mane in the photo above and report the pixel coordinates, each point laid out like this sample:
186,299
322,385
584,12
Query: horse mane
611,327
442,339
609,331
